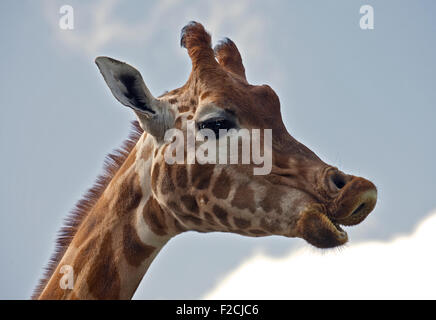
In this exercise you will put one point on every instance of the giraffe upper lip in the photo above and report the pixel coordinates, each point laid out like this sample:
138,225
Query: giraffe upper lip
354,203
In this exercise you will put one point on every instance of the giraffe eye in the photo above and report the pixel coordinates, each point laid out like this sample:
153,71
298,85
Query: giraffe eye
216,125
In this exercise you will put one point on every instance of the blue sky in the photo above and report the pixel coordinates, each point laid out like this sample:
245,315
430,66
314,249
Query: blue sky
364,101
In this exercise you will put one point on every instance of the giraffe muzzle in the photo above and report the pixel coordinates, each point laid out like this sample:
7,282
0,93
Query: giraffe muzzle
320,224
354,203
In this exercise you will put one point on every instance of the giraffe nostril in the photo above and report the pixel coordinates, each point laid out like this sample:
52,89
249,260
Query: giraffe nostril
339,180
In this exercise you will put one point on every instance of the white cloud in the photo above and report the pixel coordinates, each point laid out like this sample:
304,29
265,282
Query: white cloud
403,268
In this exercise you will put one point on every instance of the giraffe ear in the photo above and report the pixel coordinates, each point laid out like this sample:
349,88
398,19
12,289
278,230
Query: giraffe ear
128,87
126,84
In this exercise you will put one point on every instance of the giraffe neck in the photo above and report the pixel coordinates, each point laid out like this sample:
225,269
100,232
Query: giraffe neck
118,239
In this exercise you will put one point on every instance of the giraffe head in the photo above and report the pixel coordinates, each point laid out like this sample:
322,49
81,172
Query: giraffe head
301,196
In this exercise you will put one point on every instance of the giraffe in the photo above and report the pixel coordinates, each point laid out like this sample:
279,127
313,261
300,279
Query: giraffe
141,201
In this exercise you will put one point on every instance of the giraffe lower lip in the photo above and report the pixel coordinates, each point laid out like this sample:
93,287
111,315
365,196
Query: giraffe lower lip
338,226
316,227
335,226
341,232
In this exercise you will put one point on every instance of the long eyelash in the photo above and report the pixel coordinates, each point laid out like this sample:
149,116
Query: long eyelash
216,124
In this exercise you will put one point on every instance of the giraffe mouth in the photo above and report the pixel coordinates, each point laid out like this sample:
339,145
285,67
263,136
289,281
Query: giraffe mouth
321,224
335,227
320,230
334,224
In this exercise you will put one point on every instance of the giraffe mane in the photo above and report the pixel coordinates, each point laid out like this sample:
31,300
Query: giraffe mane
112,163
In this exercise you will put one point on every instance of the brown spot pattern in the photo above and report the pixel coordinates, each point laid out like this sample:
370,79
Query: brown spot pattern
204,95
244,198
201,175
155,217
272,201
181,175
190,203
129,195
183,109
178,123
178,226
221,188
241,223
134,250
221,214
174,206
103,279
